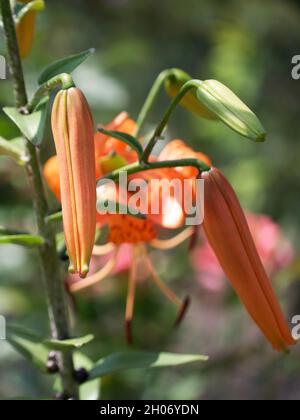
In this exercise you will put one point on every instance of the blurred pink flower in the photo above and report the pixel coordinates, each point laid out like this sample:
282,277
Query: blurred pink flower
275,251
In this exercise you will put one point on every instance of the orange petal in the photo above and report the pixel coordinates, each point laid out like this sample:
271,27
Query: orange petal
168,206
106,145
228,233
177,149
123,228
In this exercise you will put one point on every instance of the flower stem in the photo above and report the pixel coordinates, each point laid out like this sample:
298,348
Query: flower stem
154,91
137,167
64,80
191,84
57,306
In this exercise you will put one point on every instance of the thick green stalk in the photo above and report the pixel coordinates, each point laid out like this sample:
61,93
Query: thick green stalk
58,310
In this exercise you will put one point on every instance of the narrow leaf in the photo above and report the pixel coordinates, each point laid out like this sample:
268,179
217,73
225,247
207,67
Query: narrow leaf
74,343
125,138
65,65
55,217
29,345
24,240
10,149
32,126
140,360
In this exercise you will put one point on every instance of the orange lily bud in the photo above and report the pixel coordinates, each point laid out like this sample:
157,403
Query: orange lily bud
174,83
25,31
227,231
72,127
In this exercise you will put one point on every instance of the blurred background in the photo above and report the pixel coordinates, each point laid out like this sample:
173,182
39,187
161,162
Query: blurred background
249,47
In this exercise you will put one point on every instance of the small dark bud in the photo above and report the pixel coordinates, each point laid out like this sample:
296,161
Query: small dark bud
52,367
81,375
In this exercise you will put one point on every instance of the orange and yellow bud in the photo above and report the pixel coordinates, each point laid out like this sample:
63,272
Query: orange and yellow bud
72,127
227,231
25,31
174,83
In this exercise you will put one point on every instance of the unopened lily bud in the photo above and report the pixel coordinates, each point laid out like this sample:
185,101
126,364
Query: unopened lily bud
227,107
25,31
175,82
228,233
72,127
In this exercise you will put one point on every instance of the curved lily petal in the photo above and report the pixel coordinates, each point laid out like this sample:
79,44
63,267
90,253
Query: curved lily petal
177,149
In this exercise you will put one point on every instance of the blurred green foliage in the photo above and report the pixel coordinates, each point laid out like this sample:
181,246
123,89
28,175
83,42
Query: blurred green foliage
247,46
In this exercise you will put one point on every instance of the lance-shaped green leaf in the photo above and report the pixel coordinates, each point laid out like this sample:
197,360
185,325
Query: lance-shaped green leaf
222,102
125,138
55,217
141,360
65,65
12,150
23,240
72,343
174,82
32,126
29,345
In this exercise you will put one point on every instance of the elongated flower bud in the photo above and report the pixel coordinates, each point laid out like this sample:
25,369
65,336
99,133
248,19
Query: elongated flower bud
25,31
227,231
227,107
72,127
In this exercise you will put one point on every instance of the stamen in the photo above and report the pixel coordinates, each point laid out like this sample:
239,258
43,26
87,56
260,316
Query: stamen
181,314
130,300
100,250
97,277
170,295
165,244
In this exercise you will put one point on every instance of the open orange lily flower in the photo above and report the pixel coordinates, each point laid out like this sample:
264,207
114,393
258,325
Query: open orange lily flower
111,154
225,227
